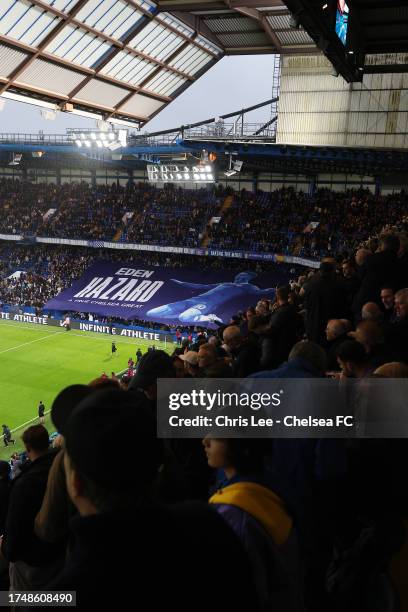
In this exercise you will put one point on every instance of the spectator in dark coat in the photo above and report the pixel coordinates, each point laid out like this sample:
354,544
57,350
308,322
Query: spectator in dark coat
245,353
118,527
5,482
382,267
336,334
350,279
32,562
398,331
325,299
387,298
285,329
371,336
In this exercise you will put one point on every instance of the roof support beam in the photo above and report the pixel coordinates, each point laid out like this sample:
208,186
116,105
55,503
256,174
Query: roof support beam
270,32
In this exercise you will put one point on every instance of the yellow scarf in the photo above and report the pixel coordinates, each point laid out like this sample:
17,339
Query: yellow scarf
261,503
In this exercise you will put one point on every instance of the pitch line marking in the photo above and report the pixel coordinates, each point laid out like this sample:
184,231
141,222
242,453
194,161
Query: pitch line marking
14,348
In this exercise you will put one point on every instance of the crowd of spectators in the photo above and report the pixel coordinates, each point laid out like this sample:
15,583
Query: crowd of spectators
138,213
284,221
291,222
175,217
295,525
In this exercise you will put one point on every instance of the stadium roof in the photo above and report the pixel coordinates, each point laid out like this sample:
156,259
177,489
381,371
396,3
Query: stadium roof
127,59
119,59
244,26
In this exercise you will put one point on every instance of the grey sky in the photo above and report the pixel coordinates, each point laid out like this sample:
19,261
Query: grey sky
233,83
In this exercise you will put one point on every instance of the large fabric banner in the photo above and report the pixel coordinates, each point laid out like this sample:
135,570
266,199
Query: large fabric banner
173,296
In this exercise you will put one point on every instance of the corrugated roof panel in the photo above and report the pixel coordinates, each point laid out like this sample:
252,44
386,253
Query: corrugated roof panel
10,59
112,17
99,92
171,85
245,40
190,60
61,5
176,23
207,44
25,22
76,45
233,23
49,76
294,37
141,106
147,5
165,83
156,40
279,22
128,68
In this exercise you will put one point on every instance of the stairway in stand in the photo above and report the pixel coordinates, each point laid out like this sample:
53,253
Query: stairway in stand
118,235
224,207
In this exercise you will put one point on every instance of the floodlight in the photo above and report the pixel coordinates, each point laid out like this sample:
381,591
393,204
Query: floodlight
230,172
113,146
122,137
78,143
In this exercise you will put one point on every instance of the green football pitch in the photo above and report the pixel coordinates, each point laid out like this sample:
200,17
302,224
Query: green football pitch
37,362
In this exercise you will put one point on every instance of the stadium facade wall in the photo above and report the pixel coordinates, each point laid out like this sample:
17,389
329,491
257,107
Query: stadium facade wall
266,181
315,107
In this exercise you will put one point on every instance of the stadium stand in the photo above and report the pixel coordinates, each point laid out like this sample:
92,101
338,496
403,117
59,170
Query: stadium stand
322,494
283,221
93,501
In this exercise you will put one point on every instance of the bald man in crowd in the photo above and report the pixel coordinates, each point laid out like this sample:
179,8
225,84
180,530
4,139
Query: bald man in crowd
371,312
245,353
336,333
